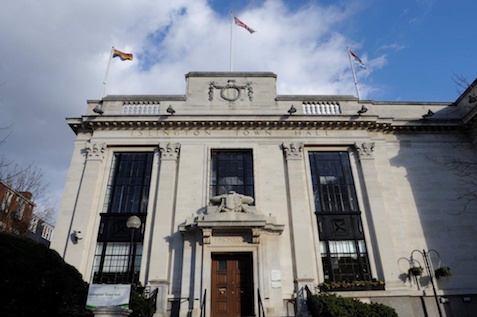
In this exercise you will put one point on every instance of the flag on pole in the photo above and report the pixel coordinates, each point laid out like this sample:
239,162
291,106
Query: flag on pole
122,56
357,59
245,26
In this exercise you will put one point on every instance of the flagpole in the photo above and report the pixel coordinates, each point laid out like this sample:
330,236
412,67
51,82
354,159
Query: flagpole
354,75
103,89
231,39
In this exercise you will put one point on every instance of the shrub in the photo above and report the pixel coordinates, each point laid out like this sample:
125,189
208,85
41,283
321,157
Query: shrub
140,304
35,281
331,305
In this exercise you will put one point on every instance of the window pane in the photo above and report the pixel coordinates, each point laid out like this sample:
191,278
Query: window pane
343,262
334,192
333,185
128,188
112,262
231,170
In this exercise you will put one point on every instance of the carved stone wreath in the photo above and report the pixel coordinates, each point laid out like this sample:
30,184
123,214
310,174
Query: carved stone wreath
231,91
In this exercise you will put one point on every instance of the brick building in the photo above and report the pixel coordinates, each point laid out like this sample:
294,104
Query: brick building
16,210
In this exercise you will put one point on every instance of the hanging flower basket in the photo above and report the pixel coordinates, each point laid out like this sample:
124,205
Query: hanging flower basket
442,271
415,271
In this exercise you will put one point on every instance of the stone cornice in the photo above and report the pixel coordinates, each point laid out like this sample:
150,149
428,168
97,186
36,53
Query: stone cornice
371,123
231,74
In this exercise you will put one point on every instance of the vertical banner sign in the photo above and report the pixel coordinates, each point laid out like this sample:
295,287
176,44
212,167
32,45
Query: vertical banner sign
108,295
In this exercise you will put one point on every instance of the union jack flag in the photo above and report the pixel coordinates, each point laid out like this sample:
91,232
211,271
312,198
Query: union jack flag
357,59
245,26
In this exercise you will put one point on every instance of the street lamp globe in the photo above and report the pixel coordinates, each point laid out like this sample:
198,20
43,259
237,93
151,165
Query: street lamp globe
134,222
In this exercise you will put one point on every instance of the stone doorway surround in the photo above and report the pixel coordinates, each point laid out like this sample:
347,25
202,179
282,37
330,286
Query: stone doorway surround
232,225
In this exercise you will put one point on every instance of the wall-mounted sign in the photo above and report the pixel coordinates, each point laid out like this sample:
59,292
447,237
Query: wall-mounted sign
107,295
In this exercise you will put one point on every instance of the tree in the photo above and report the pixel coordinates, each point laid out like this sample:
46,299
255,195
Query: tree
27,179
463,162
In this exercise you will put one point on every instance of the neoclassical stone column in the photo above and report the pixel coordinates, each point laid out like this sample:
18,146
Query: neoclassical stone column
86,209
162,227
300,216
379,222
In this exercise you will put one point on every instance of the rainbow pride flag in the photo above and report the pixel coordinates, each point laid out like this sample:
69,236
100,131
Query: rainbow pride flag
122,56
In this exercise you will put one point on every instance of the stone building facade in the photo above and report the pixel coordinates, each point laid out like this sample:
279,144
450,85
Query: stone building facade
247,198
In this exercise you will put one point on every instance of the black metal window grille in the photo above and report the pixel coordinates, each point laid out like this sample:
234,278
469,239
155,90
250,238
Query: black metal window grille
130,179
232,170
345,260
119,249
112,262
343,248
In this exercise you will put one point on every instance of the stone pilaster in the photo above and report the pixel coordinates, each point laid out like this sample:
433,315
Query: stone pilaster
86,208
162,223
300,219
379,222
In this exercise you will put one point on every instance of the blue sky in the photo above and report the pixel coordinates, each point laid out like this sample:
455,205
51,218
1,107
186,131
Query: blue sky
53,56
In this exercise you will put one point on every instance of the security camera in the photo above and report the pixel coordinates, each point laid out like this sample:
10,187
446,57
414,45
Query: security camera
77,235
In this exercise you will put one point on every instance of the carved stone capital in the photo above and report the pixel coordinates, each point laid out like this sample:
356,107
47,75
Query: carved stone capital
169,151
293,151
365,150
95,151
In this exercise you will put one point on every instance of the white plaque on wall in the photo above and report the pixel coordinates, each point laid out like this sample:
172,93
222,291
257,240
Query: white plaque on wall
276,275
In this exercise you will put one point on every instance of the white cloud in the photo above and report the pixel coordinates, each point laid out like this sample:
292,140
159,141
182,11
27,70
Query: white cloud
54,57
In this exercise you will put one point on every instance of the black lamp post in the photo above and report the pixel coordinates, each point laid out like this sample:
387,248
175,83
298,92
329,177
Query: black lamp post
428,264
133,223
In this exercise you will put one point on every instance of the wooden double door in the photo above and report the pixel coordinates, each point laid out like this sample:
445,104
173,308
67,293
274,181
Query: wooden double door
232,285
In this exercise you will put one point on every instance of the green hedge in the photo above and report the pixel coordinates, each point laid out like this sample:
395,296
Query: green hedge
331,305
35,281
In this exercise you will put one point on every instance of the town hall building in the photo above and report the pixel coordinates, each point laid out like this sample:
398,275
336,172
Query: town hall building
232,200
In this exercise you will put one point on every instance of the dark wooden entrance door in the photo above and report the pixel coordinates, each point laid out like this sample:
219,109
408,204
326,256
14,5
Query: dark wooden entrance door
232,286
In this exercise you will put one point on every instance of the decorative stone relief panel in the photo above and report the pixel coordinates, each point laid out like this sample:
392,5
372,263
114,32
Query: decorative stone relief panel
231,91
293,151
230,202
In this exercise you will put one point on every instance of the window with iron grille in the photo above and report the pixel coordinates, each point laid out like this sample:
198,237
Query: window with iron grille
130,178
343,248
231,170
119,249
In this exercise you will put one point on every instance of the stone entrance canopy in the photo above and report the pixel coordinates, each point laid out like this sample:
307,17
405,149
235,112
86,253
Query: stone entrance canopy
232,214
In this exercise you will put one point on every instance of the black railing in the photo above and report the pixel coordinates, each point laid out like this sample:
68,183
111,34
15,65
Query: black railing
153,300
203,305
261,311
309,299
